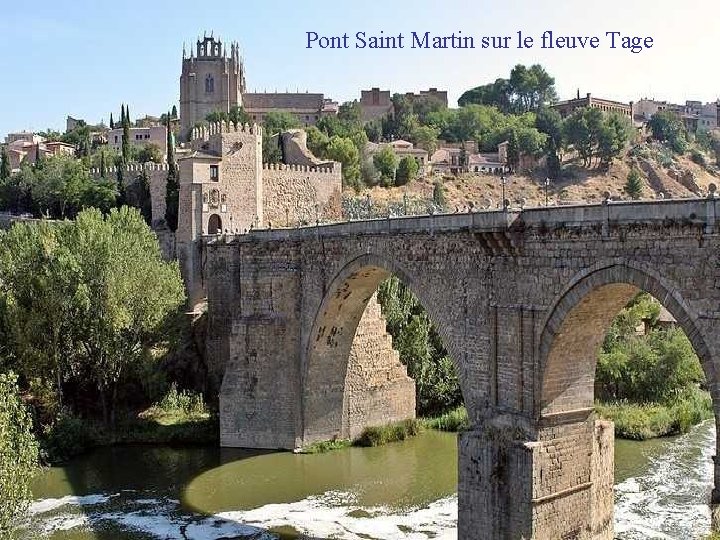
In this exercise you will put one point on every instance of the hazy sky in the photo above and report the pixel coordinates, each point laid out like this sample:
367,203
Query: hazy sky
83,57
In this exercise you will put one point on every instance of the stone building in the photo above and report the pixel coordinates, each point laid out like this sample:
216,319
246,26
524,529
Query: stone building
213,81
210,81
375,104
139,137
226,188
306,107
567,107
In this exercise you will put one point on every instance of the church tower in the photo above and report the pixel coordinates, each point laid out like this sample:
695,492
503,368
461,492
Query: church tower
210,81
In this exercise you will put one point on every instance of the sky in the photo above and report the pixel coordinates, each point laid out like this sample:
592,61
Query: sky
85,57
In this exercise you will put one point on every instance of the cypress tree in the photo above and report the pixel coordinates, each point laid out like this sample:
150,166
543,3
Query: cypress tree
4,164
174,112
121,198
172,187
38,157
634,184
103,166
126,136
112,125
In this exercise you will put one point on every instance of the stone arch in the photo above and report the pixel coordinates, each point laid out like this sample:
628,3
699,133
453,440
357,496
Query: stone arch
327,348
214,224
579,320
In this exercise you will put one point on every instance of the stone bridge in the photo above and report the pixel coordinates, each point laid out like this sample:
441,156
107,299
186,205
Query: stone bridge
522,300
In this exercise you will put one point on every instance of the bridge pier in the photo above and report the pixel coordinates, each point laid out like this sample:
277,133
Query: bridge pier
559,485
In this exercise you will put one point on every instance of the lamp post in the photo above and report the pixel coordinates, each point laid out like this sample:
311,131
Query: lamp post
547,185
503,181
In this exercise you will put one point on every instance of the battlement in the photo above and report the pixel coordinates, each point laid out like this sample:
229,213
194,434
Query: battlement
203,133
331,168
133,168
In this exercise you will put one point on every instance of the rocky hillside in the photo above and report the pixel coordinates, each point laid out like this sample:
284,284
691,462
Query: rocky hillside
665,175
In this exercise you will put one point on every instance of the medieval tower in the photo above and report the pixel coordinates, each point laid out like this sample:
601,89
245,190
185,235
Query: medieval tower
210,81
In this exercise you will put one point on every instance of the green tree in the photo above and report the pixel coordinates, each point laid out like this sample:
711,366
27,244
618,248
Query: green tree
217,116
343,150
238,116
317,141
112,124
125,146
407,171
40,301
634,184
420,348
386,162
613,137
426,137
4,164
439,194
103,165
273,125
172,185
173,113
150,153
18,455
667,127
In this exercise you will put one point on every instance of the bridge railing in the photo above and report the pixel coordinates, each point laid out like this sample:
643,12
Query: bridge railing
698,211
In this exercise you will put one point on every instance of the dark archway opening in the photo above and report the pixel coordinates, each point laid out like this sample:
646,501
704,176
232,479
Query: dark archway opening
214,224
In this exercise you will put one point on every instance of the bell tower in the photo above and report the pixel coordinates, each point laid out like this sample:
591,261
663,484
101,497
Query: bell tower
211,80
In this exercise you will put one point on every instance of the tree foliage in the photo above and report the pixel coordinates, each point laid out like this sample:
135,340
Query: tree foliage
527,89
94,292
651,368
386,163
667,127
634,184
420,348
18,455
60,187
406,171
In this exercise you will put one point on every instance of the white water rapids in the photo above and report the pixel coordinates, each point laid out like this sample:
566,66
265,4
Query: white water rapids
668,501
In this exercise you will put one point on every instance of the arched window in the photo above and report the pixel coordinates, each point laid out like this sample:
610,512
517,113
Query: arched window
214,224
209,84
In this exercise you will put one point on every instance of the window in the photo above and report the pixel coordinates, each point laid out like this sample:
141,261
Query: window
147,135
138,137
214,173
116,138
209,84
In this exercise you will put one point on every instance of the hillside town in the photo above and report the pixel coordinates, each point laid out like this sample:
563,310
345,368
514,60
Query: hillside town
385,139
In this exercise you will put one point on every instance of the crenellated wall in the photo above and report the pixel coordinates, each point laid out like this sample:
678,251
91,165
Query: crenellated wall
157,178
299,194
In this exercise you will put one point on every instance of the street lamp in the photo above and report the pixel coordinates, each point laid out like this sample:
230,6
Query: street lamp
503,181
547,185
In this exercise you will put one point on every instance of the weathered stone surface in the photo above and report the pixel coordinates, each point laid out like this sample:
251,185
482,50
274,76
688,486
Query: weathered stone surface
522,301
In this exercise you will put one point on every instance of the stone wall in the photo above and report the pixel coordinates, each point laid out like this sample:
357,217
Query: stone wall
292,191
378,390
157,178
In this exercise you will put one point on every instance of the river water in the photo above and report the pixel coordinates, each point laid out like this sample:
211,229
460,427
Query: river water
400,491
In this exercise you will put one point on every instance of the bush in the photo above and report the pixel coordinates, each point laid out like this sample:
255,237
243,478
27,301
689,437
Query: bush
649,420
698,158
380,435
67,437
183,402
454,420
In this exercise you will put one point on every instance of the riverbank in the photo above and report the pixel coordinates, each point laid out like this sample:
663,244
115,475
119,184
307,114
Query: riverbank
180,417
650,420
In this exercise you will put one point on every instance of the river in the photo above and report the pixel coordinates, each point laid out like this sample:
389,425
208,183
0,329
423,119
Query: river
404,490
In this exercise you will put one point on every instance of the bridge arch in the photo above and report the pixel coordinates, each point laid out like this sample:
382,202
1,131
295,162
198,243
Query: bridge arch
569,344
328,344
